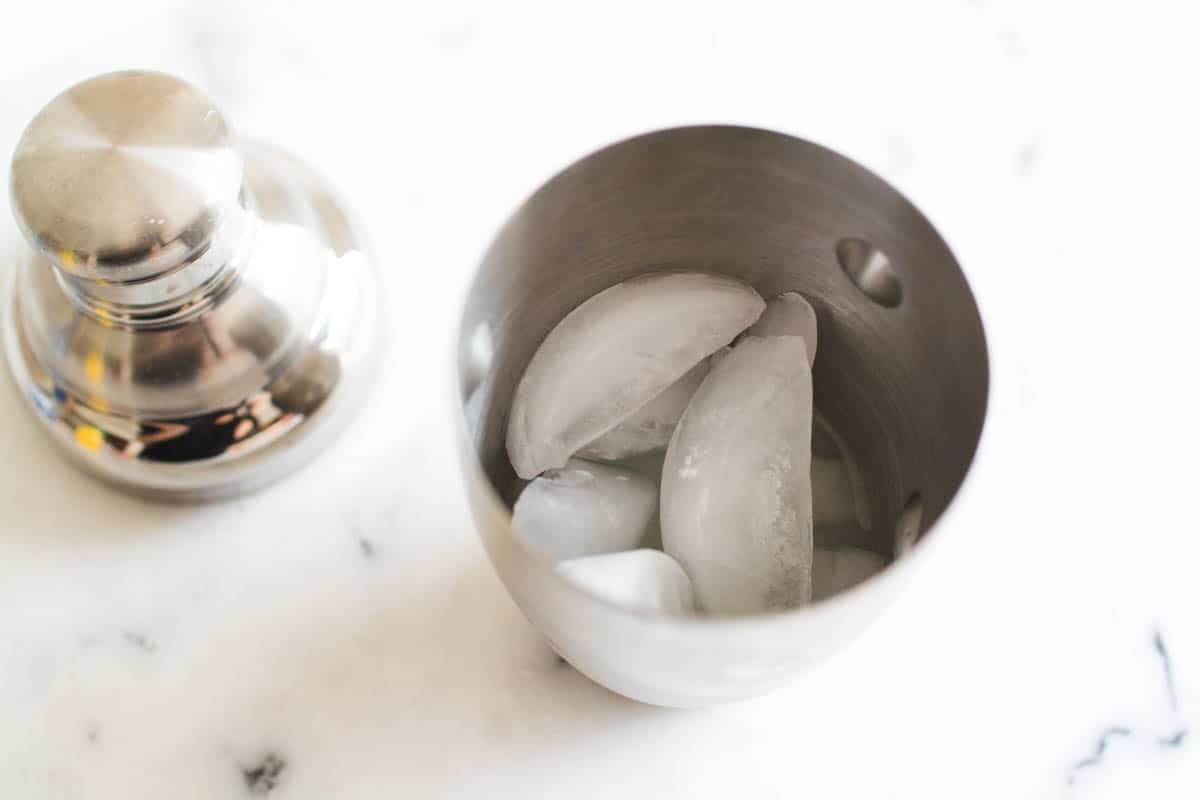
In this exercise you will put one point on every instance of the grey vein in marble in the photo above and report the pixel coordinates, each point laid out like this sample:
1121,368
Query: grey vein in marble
1160,647
367,548
1171,741
140,640
264,776
1098,754
1175,739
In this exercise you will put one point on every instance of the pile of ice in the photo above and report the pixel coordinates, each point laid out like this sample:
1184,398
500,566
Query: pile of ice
647,366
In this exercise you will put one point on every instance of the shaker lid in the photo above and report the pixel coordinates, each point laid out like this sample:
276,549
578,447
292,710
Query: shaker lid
202,313
125,176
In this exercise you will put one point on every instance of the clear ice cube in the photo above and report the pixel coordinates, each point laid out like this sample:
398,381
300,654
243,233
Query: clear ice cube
789,314
736,498
584,509
647,581
650,427
835,570
614,353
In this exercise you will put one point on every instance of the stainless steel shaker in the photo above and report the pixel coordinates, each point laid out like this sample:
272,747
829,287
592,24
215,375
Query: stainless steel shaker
196,314
901,374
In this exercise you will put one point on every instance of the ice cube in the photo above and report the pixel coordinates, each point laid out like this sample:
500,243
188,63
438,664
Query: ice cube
736,501
648,464
789,314
648,581
835,570
584,509
650,427
717,356
614,353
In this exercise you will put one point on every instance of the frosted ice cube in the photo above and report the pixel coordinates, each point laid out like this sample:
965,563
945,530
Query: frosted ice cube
650,427
837,570
616,352
789,314
585,509
639,580
648,464
736,501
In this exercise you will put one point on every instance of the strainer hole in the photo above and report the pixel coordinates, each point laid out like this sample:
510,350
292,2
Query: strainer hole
908,524
871,270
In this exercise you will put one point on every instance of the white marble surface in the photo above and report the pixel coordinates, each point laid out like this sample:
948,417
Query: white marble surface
341,634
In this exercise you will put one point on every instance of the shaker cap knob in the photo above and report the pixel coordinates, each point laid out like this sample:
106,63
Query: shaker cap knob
125,177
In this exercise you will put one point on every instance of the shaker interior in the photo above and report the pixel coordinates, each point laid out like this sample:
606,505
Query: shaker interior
901,373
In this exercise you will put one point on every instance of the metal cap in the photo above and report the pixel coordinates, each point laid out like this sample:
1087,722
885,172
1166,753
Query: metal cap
125,177
198,314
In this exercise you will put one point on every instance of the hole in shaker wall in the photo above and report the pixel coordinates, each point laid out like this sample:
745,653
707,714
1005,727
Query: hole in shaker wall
908,525
871,270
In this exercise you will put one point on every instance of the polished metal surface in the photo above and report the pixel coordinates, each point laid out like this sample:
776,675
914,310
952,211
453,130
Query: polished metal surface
869,269
197,314
125,177
901,375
